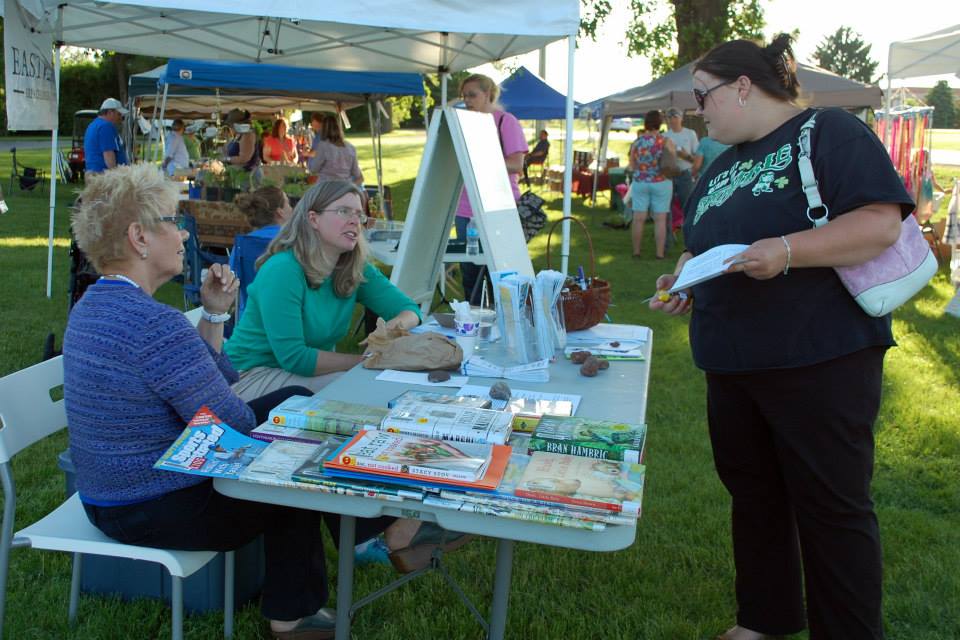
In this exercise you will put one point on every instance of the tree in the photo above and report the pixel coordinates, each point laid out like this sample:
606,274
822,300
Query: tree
941,98
693,26
845,53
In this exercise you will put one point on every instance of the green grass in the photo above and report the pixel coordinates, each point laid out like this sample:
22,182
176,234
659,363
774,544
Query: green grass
675,582
946,139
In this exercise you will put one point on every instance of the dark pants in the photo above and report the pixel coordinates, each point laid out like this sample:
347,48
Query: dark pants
199,518
794,448
469,271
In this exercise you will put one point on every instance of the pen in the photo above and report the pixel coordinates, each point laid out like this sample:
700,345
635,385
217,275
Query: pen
581,278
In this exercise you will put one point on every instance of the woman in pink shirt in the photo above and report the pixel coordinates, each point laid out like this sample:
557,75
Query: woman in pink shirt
480,93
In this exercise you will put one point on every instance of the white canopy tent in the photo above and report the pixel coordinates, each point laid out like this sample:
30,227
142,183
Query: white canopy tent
927,55
429,36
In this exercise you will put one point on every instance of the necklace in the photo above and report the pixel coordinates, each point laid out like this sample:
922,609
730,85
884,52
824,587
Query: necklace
120,276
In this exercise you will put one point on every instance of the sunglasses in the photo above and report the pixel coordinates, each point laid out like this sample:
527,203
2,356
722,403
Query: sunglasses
347,213
700,95
178,220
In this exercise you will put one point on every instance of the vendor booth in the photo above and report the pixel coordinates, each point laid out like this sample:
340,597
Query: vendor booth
378,35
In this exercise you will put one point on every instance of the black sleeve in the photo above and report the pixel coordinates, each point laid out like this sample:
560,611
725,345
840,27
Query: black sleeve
852,166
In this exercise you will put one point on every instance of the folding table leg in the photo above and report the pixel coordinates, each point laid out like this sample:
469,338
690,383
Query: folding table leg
348,534
501,589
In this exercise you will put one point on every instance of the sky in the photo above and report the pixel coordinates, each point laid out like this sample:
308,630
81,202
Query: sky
603,68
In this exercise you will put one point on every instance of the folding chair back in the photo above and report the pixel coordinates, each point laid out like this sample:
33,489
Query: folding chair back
246,250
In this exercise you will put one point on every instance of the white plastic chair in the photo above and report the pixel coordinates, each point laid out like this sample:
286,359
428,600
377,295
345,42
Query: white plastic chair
29,414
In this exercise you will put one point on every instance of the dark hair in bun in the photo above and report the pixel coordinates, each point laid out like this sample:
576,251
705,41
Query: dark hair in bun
772,68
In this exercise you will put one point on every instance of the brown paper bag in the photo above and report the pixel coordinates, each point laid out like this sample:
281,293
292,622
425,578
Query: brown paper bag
401,350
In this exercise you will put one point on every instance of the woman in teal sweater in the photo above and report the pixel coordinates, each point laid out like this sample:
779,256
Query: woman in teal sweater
301,302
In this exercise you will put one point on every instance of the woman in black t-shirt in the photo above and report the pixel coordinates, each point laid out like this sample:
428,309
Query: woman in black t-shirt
793,365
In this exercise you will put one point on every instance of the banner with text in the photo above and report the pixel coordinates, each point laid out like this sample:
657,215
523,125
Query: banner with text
30,83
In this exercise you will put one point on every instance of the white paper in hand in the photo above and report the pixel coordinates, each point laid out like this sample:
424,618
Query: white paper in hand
706,266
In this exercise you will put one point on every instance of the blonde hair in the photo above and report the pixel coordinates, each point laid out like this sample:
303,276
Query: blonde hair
112,201
297,234
487,85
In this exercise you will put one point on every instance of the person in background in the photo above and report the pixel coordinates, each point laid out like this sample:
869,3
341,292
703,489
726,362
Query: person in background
191,143
266,210
103,146
708,149
301,303
136,371
332,157
537,156
480,93
687,159
278,147
793,365
650,190
244,149
176,156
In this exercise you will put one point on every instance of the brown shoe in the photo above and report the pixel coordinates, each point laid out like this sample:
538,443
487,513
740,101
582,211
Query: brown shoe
429,537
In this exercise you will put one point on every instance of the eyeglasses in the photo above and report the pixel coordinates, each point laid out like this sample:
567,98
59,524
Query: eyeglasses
347,213
178,220
470,94
701,96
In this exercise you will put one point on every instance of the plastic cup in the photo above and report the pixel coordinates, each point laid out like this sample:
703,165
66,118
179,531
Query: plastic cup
466,327
468,344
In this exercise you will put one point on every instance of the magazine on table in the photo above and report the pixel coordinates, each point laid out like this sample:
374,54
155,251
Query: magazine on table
460,399
276,464
210,447
590,438
449,422
528,406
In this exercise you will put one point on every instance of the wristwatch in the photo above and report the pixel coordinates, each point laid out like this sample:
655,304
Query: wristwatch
214,318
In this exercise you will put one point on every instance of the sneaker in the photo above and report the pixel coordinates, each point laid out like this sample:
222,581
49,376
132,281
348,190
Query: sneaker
320,626
372,551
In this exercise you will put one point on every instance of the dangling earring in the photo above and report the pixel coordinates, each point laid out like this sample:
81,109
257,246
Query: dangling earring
741,101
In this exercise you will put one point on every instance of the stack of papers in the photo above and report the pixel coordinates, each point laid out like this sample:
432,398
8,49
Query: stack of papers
622,351
537,371
546,298
604,333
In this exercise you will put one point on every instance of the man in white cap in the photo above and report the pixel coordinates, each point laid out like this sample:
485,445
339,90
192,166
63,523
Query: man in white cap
102,145
687,159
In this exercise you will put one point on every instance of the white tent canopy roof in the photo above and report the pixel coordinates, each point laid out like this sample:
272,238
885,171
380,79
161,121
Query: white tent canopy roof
931,54
360,35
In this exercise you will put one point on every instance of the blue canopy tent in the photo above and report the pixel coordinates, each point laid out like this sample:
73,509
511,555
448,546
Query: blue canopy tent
198,87
529,98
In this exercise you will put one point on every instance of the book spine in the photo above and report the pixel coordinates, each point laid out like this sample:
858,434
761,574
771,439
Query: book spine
573,448
582,502
436,431
527,504
339,425
515,514
347,489
294,435
369,464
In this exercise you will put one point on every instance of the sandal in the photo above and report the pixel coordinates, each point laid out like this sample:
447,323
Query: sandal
429,537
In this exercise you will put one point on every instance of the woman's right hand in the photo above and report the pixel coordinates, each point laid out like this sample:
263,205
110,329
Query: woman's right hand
675,304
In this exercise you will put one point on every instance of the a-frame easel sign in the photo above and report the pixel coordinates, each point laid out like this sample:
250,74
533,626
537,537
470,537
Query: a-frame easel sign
462,149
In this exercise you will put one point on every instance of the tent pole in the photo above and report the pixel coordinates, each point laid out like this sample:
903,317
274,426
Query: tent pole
541,124
54,156
886,101
153,119
568,157
158,150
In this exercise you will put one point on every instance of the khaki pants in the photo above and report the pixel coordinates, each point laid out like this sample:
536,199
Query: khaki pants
260,381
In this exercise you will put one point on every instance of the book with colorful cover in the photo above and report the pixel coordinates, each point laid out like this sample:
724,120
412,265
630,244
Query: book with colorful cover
505,498
210,447
312,473
590,438
449,422
506,511
402,459
322,414
600,484
416,395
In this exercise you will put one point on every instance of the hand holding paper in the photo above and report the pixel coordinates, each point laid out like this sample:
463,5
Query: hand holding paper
706,266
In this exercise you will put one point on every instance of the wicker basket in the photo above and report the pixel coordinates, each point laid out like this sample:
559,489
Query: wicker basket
583,309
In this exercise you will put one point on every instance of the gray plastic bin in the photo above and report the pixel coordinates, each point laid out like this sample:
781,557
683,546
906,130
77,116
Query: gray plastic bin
202,592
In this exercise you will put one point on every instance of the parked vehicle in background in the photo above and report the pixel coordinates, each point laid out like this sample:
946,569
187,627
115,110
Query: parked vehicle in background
75,158
621,124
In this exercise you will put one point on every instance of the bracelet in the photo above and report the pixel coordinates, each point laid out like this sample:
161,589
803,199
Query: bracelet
786,267
214,318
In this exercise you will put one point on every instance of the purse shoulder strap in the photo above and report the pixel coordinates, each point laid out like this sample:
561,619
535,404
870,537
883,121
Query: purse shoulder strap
807,179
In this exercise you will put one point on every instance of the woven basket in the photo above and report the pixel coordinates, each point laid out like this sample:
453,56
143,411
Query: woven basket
583,309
